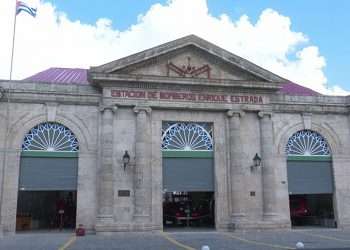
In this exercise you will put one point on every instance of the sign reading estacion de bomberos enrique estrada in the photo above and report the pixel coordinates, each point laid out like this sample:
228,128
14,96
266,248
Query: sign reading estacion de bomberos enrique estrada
185,96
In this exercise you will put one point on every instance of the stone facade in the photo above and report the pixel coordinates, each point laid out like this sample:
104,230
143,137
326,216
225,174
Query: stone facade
123,108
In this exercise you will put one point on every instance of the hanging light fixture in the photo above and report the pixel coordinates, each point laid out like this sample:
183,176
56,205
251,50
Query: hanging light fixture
126,159
256,162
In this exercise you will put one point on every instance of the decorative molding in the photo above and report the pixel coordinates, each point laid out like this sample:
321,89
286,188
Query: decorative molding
231,113
188,70
192,83
113,108
307,122
138,109
261,114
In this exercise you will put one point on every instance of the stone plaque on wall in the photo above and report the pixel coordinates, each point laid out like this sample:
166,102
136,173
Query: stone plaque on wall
123,193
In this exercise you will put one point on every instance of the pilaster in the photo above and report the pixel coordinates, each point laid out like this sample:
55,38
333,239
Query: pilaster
237,172
268,173
106,188
142,193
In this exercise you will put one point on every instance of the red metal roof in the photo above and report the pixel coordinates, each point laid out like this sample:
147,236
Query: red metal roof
79,76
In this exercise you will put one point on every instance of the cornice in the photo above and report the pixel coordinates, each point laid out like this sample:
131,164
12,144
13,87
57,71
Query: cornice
112,80
84,95
60,98
317,108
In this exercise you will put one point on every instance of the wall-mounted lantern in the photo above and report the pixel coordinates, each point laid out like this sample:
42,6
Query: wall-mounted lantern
256,163
126,159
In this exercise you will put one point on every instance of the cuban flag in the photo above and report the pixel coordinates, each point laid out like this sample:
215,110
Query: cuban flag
20,6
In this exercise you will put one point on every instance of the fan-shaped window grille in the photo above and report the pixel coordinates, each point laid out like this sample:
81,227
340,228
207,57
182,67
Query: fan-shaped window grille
307,143
51,137
187,136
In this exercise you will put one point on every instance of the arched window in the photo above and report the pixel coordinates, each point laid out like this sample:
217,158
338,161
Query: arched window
187,136
307,143
52,137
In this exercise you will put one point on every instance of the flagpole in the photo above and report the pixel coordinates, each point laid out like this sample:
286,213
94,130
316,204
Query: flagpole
13,41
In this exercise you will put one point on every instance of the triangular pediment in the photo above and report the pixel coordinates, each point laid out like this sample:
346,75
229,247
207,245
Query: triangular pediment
188,57
191,62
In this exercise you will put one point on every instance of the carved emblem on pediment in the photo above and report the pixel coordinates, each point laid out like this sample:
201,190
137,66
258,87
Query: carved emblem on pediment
188,70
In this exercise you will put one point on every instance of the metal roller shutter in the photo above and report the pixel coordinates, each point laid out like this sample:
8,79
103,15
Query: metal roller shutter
42,174
188,174
310,177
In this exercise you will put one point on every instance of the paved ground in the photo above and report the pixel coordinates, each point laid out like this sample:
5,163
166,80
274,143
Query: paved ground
313,239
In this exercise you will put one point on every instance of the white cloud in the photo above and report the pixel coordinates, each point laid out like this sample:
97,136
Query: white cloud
53,40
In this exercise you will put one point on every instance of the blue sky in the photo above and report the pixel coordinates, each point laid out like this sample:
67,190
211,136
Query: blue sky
305,41
325,22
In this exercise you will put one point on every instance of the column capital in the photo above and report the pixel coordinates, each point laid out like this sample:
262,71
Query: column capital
261,114
138,109
306,114
113,108
233,113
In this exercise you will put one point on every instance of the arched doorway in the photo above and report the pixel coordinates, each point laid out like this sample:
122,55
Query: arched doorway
310,180
48,178
188,175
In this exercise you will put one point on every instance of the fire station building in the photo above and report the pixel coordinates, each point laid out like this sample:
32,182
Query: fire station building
182,135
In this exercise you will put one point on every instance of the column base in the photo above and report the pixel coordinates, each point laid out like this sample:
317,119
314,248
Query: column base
237,219
104,219
141,218
238,216
343,223
258,225
270,216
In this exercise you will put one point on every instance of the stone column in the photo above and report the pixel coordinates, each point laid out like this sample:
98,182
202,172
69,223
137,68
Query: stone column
268,172
106,189
142,165
236,167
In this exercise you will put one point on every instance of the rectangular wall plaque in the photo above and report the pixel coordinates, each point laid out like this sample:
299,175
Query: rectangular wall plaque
123,193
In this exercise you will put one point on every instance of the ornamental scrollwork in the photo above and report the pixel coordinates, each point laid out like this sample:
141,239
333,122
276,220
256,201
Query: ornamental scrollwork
307,143
50,136
187,136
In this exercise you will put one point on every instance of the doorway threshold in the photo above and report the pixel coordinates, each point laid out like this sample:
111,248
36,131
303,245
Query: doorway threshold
46,231
313,228
189,230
